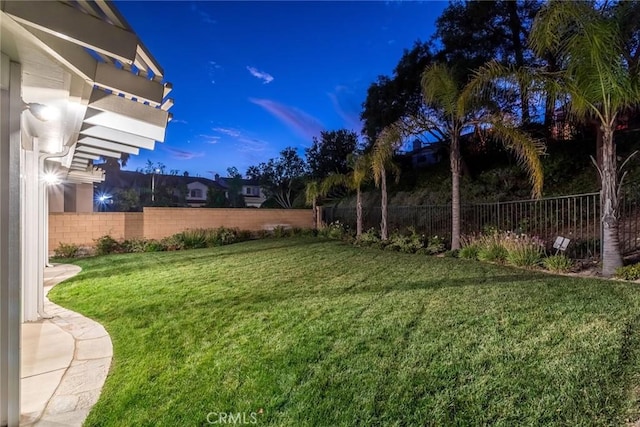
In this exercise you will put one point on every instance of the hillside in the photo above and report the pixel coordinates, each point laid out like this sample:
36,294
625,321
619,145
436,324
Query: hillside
492,175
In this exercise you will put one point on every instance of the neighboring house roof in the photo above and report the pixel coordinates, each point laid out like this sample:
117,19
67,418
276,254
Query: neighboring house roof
223,181
115,178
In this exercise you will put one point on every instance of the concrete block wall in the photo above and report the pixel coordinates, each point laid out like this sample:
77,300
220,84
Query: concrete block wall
163,222
155,223
82,228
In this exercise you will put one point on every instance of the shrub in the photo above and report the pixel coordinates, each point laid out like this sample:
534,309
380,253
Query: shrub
134,245
493,252
557,263
154,246
629,272
262,234
435,245
469,252
303,232
367,238
454,253
172,243
280,231
106,245
193,238
335,230
522,250
244,235
66,250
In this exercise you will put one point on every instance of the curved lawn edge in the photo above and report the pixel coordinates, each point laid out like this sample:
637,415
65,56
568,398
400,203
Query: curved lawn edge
309,331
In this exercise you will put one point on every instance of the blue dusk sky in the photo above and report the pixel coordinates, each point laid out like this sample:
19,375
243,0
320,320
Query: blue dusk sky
251,78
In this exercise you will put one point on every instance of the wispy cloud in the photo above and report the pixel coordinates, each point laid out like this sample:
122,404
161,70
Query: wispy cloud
206,18
214,64
184,122
182,154
228,131
210,139
265,77
302,123
345,104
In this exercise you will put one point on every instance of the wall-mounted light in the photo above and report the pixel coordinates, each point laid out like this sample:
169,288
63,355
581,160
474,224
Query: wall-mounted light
50,178
42,112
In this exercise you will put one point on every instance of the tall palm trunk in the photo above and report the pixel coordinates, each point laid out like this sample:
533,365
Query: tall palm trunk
384,233
315,213
455,159
611,257
358,212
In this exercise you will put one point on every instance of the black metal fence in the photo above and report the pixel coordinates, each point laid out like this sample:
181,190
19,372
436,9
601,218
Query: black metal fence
575,217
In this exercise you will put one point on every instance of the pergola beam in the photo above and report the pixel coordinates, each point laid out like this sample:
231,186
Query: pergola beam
124,123
103,101
98,151
123,81
117,136
69,23
102,143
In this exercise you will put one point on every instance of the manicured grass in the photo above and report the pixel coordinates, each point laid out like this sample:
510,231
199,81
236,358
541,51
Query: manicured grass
317,332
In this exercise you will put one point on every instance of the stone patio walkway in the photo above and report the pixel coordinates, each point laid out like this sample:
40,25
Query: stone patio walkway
65,361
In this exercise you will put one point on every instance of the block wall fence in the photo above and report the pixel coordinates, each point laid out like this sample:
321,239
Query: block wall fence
155,223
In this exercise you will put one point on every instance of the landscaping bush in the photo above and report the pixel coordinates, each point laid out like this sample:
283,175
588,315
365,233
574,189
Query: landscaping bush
172,243
66,250
368,238
469,252
134,245
335,230
193,238
492,252
629,272
154,246
557,263
435,245
522,250
280,231
454,253
405,243
107,245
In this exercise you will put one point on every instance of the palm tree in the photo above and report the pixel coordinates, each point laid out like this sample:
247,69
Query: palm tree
312,193
353,181
388,141
455,108
598,84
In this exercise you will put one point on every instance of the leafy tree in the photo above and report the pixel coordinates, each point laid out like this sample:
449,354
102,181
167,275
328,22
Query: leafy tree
457,108
390,98
234,180
216,199
329,153
126,200
387,143
280,177
472,33
360,166
600,80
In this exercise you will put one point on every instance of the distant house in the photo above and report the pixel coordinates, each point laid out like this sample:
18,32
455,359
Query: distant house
254,196
422,156
174,190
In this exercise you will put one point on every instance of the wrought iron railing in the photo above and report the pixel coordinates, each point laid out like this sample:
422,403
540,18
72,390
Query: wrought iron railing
576,217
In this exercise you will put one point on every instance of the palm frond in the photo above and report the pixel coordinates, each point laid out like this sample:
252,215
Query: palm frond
439,88
527,151
312,191
332,181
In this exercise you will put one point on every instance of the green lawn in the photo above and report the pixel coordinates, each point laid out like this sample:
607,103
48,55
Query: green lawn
317,332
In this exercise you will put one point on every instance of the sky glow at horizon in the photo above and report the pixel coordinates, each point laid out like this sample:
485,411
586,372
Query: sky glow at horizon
251,78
